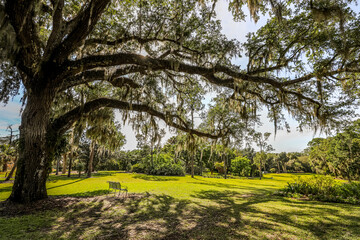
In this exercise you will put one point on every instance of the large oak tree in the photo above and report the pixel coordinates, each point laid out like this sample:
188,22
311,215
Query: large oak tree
148,54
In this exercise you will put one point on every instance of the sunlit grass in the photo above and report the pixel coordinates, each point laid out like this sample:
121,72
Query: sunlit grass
179,187
182,208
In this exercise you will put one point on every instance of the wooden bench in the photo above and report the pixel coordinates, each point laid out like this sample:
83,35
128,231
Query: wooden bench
117,186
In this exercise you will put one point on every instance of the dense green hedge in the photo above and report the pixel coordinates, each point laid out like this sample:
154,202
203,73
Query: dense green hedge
324,188
163,164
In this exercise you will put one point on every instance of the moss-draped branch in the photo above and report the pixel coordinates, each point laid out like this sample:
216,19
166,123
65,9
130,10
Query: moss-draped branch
64,122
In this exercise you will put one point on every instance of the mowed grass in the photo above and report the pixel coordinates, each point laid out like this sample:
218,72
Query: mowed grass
178,187
161,207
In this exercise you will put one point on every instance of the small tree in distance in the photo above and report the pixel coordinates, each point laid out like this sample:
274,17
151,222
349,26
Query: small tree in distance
261,141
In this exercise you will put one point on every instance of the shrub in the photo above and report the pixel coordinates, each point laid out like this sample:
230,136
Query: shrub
197,169
138,168
110,164
324,188
273,170
163,164
219,166
240,166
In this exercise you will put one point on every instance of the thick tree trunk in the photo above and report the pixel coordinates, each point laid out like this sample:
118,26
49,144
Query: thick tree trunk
12,170
34,151
91,159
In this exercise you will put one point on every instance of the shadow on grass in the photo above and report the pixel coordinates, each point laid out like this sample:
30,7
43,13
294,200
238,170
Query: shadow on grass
55,178
65,184
155,178
233,186
104,174
211,214
5,189
86,194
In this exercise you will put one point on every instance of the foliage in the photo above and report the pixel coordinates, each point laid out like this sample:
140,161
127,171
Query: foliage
138,168
7,153
338,155
324,188
163,164
219,166
240,166
110,164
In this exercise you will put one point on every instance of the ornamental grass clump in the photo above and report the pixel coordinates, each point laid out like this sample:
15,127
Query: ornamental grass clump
323,188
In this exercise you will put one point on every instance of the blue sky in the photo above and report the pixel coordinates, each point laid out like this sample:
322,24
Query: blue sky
10,115
293,141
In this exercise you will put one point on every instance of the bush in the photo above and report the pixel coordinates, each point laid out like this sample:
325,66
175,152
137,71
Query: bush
219,166
240,166
324,188
273,170
138,168
164,165
197,169
109,165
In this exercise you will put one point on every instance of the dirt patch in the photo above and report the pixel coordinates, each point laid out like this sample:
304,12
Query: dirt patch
9,209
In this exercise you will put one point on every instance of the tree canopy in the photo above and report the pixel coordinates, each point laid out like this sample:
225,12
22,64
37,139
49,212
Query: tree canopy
157,58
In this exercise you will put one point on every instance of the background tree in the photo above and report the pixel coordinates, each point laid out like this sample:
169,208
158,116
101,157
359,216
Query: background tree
7,152
104,132
260,140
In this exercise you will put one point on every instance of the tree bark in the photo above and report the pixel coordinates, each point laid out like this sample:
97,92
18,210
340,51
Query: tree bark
64,163
278,165
91,159
192,165
261,174
70,163
34,151
284,168
201,162
71,154
4,168
151,156
57,166
225,166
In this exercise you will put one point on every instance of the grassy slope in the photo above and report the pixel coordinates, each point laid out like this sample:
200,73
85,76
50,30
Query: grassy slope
183,208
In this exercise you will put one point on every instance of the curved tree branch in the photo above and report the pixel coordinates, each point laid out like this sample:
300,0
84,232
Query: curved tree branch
79,29
64,122
102,75
162,64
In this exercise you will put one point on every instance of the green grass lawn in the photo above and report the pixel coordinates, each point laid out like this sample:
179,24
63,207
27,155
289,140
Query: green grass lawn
179,208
